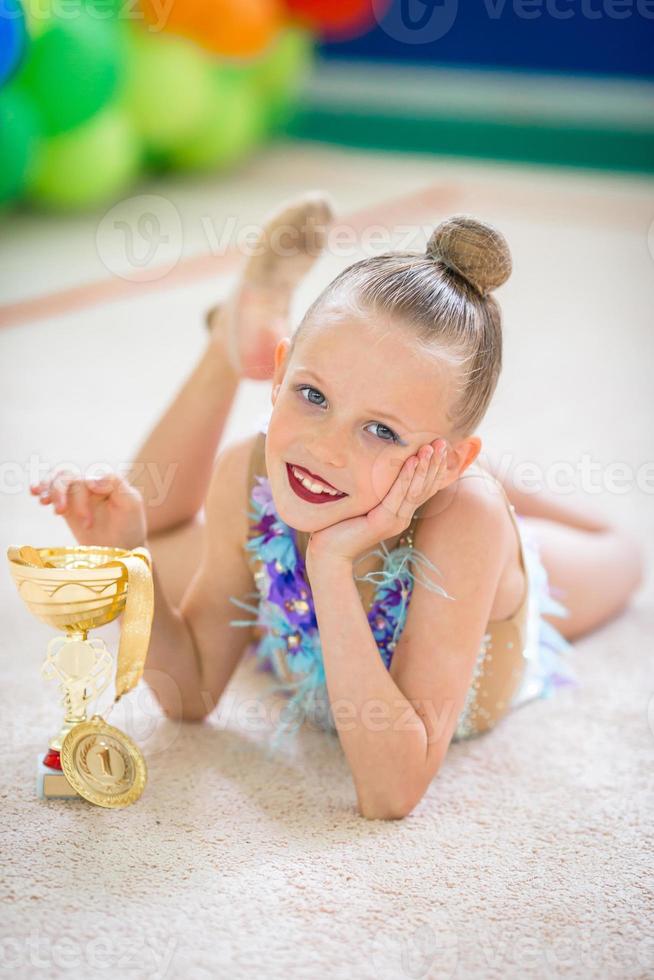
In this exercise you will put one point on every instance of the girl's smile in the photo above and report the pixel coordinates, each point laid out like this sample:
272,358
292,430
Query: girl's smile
306,486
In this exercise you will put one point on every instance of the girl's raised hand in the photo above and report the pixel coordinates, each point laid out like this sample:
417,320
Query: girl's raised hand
107,511
416,482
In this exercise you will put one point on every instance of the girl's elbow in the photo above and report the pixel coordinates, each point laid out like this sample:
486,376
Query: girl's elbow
175,704
187,713
385,809
195,719
385,814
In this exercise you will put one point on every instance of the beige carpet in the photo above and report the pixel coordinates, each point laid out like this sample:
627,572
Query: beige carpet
531,854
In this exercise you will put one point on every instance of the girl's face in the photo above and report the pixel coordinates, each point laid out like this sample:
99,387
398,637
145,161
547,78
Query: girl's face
351,404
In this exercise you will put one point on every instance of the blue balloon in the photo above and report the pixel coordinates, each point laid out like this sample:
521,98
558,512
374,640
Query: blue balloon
13,37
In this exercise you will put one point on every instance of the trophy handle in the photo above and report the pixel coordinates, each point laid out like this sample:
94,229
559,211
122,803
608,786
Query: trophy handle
136,619
144,554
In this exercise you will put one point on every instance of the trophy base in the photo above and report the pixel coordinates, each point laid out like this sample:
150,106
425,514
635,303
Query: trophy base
52,783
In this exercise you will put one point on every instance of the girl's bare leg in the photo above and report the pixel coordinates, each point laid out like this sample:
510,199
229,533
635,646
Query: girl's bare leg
177,554
290,241
595,566
172,469
595,573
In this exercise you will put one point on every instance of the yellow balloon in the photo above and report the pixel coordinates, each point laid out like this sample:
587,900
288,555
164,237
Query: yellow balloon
169,88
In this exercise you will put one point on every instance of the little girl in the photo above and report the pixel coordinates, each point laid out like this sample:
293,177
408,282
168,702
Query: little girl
400,598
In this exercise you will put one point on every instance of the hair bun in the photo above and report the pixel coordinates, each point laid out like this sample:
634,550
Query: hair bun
475,250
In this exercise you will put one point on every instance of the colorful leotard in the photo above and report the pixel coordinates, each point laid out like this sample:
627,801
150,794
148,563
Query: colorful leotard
520,658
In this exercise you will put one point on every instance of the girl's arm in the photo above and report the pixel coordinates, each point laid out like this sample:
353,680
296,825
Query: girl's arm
395,726
193,650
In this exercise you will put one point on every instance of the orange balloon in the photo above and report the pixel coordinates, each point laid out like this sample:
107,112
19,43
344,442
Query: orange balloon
232,28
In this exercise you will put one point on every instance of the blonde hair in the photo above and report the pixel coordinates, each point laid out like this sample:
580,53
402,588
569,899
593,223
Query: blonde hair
444,295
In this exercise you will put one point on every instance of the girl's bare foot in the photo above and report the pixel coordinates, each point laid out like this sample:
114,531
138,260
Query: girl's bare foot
255,316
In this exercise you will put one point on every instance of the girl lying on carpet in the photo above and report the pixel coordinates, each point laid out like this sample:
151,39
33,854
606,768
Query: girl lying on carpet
394,592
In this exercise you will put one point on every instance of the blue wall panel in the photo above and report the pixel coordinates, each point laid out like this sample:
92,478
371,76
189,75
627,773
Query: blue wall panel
587,36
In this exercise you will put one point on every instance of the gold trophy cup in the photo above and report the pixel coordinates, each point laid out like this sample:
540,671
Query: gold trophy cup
78,589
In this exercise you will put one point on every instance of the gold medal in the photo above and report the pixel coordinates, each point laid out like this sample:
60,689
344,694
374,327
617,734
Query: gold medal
103,764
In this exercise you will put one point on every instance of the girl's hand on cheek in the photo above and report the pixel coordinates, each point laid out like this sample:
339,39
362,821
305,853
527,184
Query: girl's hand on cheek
416,482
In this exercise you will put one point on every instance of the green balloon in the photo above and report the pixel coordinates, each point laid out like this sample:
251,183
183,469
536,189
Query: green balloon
281,72
108,9
89,165
234,127
169,90
38,14
74,69
19,136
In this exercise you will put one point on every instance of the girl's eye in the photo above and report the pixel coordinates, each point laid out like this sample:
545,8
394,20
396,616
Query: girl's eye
380,425
393,437
309,388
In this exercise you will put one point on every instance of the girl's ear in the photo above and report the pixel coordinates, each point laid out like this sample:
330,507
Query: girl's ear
281,354
470,449
460,456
